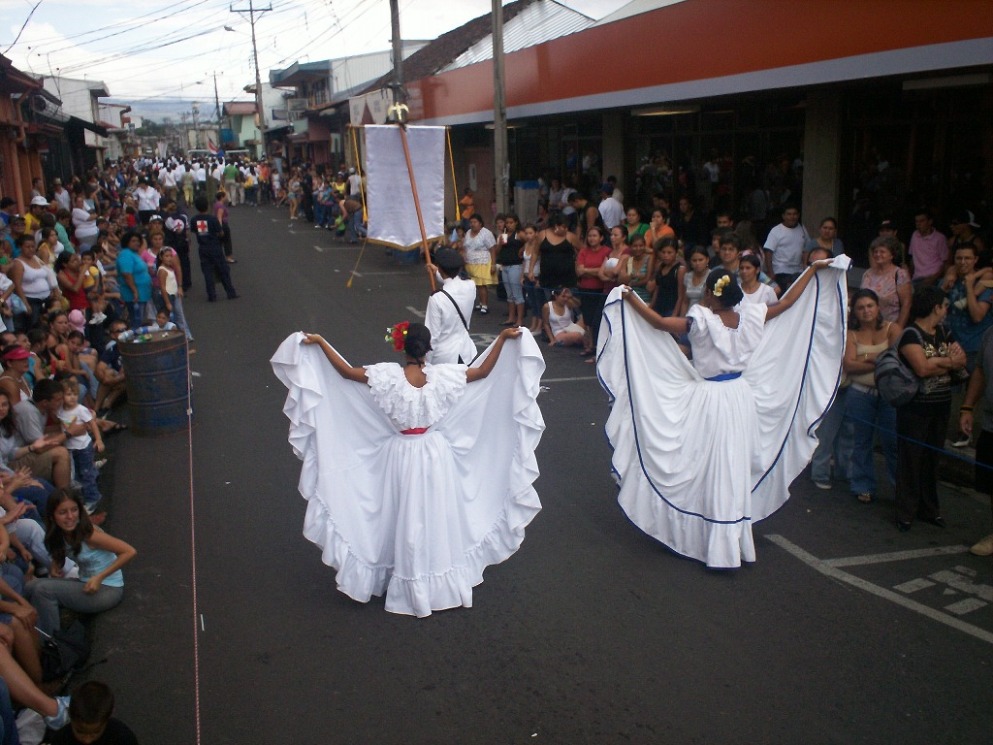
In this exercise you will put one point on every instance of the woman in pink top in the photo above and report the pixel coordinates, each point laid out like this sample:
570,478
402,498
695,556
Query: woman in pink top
890,282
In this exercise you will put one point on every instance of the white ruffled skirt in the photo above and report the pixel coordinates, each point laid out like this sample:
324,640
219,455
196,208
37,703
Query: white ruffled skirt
698,461
415,517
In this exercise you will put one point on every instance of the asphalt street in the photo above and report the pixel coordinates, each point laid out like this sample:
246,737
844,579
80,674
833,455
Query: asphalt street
843,631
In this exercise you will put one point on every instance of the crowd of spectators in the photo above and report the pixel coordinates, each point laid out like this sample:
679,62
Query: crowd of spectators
74,281
932,298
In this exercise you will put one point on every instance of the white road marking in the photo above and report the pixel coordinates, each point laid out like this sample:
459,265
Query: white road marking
318,249
963,584
830,571
965,606
857,561
415,311
914,585
203,626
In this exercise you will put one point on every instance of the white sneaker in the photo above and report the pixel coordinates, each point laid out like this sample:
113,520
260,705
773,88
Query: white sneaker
984,547
822,485
61,717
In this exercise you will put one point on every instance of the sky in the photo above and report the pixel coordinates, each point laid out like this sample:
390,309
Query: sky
162,50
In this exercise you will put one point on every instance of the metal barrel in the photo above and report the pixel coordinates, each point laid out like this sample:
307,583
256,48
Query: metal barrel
157,373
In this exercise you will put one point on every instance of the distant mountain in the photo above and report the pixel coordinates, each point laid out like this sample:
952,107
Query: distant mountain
174,108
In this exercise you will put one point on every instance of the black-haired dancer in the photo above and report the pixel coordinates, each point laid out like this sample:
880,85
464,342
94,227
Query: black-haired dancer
406,494
704,449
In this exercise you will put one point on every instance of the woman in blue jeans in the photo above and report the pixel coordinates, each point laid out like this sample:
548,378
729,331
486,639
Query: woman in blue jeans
868,336
100,557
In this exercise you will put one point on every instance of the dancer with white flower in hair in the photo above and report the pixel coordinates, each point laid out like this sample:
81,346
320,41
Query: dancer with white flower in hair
703,449
406,495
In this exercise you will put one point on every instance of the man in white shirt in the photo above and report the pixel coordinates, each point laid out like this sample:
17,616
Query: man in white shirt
450,310
785,256
148,200
62,196
611,210
354,184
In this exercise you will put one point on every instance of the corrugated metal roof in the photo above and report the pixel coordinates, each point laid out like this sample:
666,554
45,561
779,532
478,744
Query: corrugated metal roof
636,7
535,24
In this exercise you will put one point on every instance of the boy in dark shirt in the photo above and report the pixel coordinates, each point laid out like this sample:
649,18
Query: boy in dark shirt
91,720
209,235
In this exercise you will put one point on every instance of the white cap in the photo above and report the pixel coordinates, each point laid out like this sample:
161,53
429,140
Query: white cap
39,201
351,170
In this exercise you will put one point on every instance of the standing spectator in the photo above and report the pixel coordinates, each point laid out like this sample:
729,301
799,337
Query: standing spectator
134,281
968,302
890,283
922,424
928,250
668,285
689,226
210,237
590,283
611,210
449,311
479,249
510,258
869,334
888,229
658,228
221,213
981,386
177,237
148,201
230,175
963,228
785,252
827,238
62,196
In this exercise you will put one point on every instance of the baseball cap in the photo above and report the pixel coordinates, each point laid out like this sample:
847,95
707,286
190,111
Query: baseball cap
965,217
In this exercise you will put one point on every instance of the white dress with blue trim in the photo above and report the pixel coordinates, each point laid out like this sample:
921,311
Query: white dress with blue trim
416,517
700,459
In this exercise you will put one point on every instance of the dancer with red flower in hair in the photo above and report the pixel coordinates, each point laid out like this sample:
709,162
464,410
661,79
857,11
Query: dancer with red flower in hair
406,497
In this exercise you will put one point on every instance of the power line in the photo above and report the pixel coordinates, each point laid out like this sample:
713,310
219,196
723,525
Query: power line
23,26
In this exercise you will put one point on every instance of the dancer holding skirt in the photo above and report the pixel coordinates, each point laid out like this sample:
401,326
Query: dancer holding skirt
703,449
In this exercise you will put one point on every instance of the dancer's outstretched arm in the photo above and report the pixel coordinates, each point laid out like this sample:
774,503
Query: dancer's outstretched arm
341,367
478,373
672,325
786,302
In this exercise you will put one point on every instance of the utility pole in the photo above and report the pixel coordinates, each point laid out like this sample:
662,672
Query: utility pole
399,94
501,167
196,124
217,103
258,77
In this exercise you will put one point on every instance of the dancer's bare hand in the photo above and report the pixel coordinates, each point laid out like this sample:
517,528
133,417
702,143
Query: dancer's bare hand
312,339
511,333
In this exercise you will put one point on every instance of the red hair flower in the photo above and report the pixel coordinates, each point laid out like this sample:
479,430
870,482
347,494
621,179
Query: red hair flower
397,335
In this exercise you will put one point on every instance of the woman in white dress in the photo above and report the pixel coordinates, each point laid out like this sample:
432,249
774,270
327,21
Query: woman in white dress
703,450
406,495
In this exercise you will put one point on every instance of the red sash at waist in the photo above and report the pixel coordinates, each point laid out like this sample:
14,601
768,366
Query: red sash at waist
414,431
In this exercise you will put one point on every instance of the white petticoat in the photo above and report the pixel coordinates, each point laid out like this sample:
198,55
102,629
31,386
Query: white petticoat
417,517
699,461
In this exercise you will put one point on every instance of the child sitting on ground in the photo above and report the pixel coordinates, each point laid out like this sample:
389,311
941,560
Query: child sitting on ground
91,719
82,438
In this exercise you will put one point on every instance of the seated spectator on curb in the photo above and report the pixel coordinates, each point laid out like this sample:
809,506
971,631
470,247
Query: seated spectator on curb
110,371
91,719
69,534
558,319
24,691
46,455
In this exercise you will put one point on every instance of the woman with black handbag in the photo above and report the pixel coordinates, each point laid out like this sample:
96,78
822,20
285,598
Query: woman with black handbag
922,423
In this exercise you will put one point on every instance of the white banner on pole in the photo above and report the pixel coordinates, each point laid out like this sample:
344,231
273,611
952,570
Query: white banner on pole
392,217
